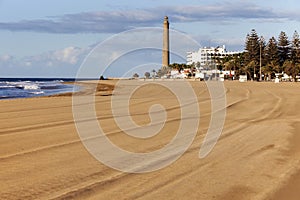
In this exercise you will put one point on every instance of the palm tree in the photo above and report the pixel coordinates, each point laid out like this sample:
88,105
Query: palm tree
291,69
147,75
266,70
270,68
135,76
153,73
249,69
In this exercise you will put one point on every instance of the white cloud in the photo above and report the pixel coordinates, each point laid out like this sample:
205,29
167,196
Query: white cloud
60,63
68,55
7,61
28,63
6,58
72,56
230,42
120,20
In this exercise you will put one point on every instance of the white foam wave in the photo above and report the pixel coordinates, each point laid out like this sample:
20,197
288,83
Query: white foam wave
7,86
27,85
31,87
39,92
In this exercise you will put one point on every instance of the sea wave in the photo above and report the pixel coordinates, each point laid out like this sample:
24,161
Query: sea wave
28,86
38,92
6,86
50,87
16,88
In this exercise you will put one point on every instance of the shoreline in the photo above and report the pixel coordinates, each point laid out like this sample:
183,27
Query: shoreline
257,156
33,84
84,83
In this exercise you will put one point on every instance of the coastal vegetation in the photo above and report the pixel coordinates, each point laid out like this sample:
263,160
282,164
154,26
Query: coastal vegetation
261,59
271,57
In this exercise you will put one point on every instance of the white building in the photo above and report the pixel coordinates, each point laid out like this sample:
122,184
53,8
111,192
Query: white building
205,55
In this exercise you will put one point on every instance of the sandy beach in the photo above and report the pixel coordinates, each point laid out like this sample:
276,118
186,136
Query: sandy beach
256,157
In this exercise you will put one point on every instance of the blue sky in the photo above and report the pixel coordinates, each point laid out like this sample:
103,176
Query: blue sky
51,38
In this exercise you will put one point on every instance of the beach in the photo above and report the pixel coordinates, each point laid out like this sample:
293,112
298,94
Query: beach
256,157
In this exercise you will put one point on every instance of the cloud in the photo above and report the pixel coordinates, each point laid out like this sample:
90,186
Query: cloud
116,55
120,20
60,63
92,22
6,61
6,58
67,56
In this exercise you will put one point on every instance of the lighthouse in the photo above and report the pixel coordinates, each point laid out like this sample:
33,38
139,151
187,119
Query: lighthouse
165,50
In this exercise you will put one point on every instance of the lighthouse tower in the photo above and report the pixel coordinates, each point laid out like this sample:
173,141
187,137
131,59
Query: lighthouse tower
165,50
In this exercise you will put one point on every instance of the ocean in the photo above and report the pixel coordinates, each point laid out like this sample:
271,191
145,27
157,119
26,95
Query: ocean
11,88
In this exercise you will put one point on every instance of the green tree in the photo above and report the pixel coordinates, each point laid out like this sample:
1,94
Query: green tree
290,69
271,58
284,50
239,63
271,51
179,66
153,73
271,68
160,73
135,75
295,49
232,62
252,51
249,69
262,52
147,75
295,56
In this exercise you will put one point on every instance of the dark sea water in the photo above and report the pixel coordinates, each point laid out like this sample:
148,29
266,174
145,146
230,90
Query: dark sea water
11,88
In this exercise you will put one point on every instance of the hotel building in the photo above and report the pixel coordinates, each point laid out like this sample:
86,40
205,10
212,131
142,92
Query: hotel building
206,56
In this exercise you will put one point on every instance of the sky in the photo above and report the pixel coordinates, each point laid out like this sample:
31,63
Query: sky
55,38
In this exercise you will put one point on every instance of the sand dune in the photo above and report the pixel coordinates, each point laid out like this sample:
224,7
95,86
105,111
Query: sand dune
257,156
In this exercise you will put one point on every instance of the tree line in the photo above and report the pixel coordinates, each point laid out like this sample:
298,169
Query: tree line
262,59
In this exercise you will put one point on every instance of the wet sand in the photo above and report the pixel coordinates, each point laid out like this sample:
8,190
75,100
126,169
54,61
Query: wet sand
256,157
